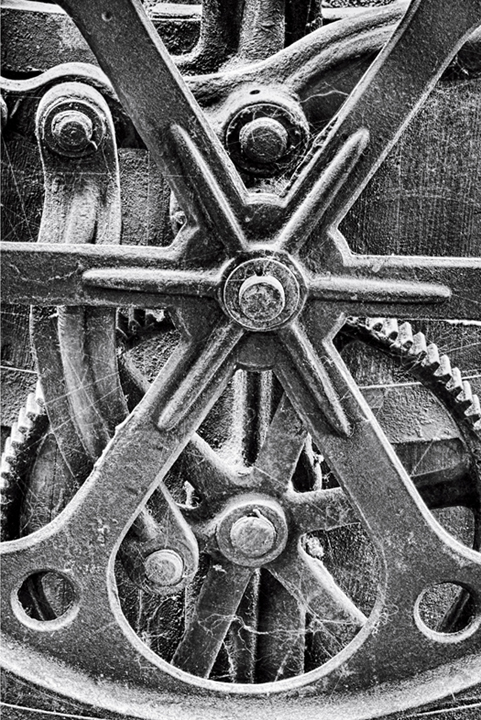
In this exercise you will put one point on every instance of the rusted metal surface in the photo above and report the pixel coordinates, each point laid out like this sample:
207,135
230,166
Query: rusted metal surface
258,278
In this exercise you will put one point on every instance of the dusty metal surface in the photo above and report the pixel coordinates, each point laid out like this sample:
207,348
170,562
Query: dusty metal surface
231,552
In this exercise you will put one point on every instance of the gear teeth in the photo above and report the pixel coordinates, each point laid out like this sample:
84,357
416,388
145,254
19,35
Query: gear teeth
35,404
444,371
425,363
39,396
9,452
6,473
25,422
390,328
465,398
17,438
21,434
405,337
418,349
455,384
374,324
7,469
473,413
432,359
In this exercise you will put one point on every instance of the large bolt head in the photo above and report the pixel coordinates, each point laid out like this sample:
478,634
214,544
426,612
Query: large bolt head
252,530
164,568
262,298
253,536
263,293
72,129
263,140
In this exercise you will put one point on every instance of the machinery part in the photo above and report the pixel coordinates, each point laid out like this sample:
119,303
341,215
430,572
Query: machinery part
25,436
266,132
301,354
164,568
252,531
264,293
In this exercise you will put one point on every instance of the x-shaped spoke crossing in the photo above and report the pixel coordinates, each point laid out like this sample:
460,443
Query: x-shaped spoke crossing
263,292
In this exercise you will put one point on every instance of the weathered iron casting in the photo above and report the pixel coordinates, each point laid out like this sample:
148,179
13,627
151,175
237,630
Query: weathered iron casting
260,278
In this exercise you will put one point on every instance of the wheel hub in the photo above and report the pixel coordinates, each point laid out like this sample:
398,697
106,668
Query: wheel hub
253,536
252,532
263,293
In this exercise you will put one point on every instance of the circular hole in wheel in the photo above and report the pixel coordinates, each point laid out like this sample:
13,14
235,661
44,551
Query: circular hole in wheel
445,610
47,596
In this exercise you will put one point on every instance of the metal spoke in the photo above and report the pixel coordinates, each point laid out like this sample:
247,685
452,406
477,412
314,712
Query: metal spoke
405,71
215,610
212,477
321,510
401,286
279,455
330,508
131,467
42,274
166,283
216,204
134,58
219,345
307,579
368,290
375,481
306,366
281,628
312,198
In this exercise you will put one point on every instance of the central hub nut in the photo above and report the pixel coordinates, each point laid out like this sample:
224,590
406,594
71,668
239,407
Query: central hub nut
252,530
254,536
264,293
262,298
264,140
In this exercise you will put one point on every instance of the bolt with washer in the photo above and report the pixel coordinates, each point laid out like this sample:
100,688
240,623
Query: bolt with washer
264,140
254,536
73,131
164,568
262,297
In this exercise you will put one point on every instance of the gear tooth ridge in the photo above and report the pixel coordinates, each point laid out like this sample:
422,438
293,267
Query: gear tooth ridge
473,413
30,420
6,473
9,452
38,395
455,384
465,398
35,403
406,335
432,359
418,350
444,372
24,421
17,438
374,324
390,328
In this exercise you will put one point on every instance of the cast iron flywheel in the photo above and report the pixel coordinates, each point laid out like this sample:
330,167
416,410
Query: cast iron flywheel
156,568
